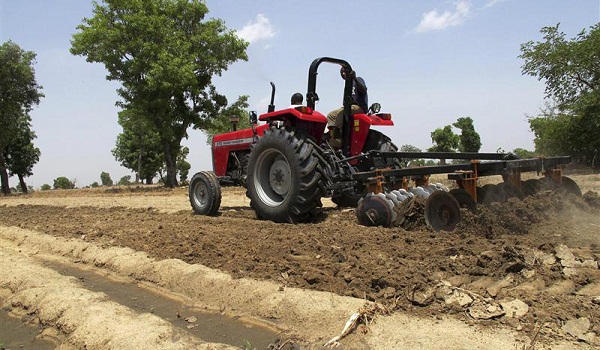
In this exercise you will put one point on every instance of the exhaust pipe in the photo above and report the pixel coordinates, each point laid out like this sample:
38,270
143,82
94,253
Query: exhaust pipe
272,105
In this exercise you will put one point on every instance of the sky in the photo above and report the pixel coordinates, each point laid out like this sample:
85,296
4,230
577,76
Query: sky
427,63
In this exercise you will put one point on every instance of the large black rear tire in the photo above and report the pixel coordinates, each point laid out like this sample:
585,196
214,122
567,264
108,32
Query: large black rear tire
284,181
205,193
375,141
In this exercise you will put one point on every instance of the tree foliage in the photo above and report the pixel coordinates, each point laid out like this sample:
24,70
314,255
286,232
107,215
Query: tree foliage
63,183
125,181
570,68
105,179
165,54
138,146
570,123
411,162
444,140
45,187
183,167
523,153
469,139
19,93
221,122
21,155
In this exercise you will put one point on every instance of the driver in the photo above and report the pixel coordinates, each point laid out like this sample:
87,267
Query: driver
360,103
296,100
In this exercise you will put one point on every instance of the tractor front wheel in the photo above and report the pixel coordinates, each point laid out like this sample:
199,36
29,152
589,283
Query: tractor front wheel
284,177
205,193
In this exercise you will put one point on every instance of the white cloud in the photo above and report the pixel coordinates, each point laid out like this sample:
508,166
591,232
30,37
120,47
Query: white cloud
433,20
493,3
260,29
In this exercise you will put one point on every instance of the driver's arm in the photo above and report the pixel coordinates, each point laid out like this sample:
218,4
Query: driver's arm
360,85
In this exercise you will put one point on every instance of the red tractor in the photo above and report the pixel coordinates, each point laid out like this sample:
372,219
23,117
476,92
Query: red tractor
287,165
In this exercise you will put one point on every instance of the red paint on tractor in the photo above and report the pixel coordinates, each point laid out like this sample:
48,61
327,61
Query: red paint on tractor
223,144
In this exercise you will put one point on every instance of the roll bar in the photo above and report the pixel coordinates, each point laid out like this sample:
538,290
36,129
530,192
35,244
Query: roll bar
312,97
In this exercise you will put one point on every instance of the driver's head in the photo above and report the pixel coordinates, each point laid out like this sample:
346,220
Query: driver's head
297,98
347,73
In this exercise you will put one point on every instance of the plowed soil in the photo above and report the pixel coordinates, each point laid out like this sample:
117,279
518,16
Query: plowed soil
518,242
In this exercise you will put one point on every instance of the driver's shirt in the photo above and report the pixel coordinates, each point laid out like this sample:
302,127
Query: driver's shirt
362,100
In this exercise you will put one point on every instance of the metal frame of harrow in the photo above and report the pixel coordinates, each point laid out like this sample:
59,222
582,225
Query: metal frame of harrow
465,174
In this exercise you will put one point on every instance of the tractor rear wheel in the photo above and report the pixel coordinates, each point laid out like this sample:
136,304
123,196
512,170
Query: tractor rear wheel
205,193
284,181
376,141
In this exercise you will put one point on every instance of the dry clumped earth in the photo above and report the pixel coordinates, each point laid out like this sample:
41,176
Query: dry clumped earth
529,266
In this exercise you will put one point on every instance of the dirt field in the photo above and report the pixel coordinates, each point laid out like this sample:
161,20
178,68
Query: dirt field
518,273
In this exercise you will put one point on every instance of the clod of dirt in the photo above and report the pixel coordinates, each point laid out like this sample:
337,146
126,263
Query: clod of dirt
564,254
514,308
592,199
485,311
577,327
564,287
592,289
495,288
421,295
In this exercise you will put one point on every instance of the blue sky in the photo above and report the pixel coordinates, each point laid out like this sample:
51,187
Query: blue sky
427,62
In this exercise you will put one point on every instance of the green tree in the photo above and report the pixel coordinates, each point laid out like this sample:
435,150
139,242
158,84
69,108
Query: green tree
469,139
105,179
21,155
571,70
411,162
221,122
523,153
138,147
444,140
63,183
19,92
125,181
45,187
164,54
94,184
183,167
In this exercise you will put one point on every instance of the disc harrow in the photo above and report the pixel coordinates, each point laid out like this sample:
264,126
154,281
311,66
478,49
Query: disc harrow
390,201
391,208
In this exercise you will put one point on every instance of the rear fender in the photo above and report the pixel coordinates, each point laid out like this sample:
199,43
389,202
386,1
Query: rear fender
224,144
361,125
301,118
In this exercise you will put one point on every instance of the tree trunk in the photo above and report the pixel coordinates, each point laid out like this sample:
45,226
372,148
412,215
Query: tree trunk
149,180
170,179
22,183
138,175
3,174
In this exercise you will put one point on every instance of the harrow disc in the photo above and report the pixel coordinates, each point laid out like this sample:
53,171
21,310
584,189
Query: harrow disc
508,190
481,193
442,211
376,210
464,199
570,186
530,187
491,194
